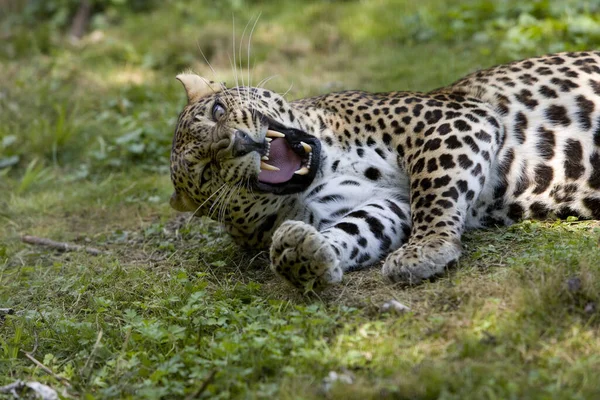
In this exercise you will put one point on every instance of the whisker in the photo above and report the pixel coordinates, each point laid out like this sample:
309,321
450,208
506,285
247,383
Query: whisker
261,84
266,80
215,205
207,62
249,189
219,191
225,203
240,51
234,65
232,195
223,87
222,206
287,91
203,203
232,97
249,43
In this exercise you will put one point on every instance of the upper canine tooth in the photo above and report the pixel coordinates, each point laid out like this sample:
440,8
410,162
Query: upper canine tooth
302,171
271,133
306,147
268,167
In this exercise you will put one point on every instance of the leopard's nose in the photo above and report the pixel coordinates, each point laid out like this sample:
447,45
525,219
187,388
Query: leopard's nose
244,144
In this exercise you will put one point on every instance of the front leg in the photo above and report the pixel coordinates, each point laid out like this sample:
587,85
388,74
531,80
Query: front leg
304,257
310,259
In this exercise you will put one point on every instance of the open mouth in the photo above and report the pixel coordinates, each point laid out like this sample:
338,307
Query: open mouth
290,160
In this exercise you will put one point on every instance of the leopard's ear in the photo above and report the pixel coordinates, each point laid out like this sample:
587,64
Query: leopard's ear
197,87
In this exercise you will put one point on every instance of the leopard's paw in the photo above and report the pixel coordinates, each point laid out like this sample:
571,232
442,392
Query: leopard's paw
302,256
416,261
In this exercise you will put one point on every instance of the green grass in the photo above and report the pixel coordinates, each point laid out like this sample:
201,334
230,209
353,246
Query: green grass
174,309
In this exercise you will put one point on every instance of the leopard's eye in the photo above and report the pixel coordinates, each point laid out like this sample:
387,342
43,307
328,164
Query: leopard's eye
206,174
218,111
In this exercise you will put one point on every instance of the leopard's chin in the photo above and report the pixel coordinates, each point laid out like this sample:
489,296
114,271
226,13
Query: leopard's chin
290,162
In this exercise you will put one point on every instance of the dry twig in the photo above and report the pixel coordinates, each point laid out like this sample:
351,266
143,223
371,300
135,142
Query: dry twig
203,387
46,369
61,246
91,356
81,20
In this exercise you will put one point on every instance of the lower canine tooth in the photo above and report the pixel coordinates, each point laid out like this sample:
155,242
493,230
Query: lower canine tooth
274,134
268,167
306,147
264,158
302,171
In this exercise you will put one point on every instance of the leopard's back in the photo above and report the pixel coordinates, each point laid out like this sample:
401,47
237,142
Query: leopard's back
549,161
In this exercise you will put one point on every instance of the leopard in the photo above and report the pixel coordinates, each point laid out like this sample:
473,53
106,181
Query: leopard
345,180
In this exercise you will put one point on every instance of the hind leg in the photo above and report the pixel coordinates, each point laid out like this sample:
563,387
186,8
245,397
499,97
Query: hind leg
440,201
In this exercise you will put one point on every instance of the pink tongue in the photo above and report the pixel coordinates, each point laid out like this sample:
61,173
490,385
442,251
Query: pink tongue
283,157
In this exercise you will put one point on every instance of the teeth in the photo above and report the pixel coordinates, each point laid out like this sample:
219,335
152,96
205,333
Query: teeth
302,171
266,156
306,147
274,134
268,167
268,139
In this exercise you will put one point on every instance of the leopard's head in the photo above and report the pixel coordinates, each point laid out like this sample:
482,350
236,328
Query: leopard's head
239,142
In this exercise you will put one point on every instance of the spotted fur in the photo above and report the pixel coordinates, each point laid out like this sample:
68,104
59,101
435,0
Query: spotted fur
402,174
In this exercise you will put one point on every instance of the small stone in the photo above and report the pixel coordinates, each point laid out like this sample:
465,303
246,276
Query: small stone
19,390
345,377
590,308
488,338
394,306
574,284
